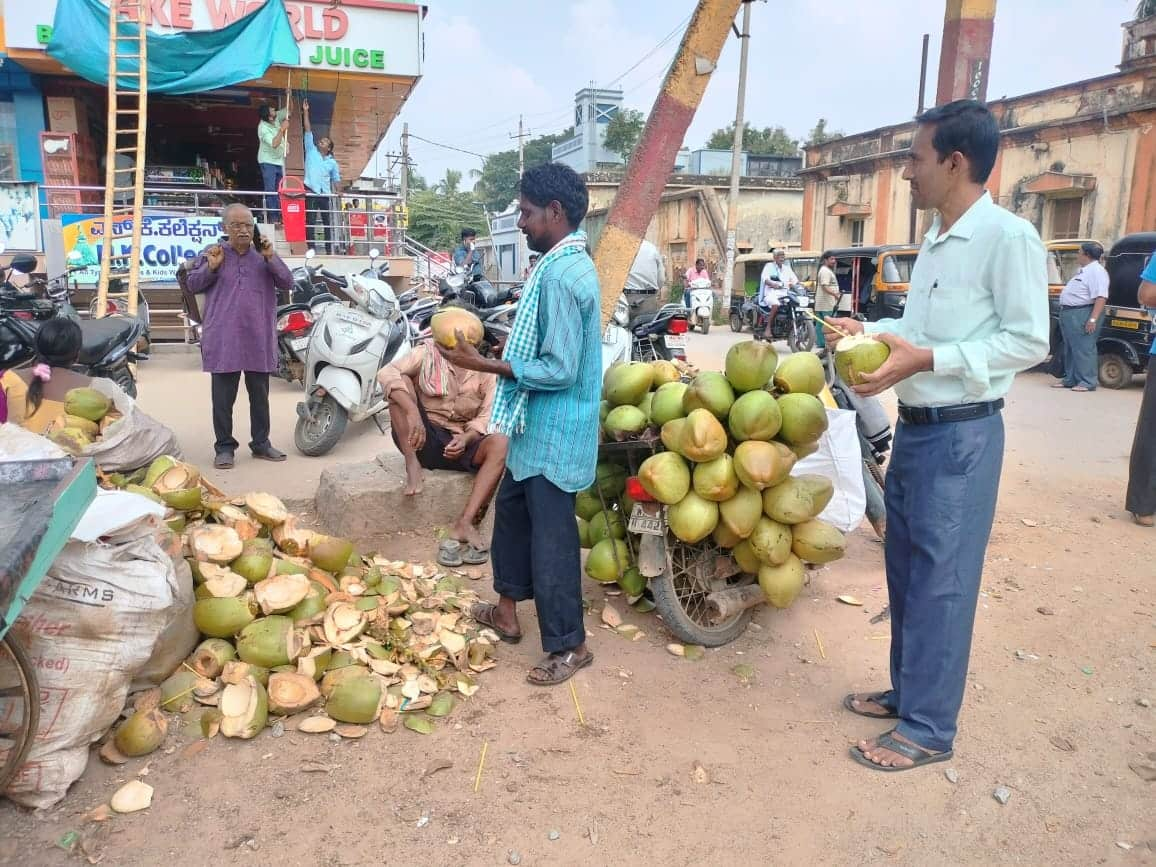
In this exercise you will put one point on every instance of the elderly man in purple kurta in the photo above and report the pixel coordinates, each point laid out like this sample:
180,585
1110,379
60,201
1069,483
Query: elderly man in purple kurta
238,335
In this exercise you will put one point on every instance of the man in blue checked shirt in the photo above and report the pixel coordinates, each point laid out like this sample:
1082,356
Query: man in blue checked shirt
1141,498
321,178
550,381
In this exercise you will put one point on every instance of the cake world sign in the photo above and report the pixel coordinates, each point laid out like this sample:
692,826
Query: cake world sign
372,36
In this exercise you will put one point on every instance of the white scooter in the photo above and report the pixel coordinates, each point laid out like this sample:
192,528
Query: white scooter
348,346
701,304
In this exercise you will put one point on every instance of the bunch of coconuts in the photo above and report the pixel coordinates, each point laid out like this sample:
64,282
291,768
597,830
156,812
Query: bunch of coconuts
731,441
87,414
299,624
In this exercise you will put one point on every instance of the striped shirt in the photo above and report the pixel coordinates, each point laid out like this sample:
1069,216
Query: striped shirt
564,380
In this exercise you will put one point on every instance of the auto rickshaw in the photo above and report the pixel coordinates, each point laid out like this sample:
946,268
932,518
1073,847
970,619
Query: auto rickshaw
876,278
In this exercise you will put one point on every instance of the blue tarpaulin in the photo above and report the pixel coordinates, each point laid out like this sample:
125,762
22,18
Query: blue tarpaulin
179,62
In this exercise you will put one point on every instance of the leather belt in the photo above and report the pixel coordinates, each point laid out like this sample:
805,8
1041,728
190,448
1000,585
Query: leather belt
944,414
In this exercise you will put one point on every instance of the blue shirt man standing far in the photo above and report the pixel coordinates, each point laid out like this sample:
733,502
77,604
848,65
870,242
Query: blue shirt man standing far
466,254
550,381
322,177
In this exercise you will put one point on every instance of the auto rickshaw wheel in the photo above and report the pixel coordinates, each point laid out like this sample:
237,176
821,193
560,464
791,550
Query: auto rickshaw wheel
1115,372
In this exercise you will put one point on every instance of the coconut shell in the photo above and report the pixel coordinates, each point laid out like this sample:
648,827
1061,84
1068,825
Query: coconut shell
244,709
213,543
268,642
222,617
330,552
237,519
281,593
291,693
266,508
355,700
291,539
236,671
141,733
209,659
177,690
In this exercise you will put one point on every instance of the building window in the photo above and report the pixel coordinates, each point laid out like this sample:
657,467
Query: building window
9,152
1066,218
857,233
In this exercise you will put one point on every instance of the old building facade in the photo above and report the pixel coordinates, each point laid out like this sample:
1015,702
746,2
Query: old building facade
1078,161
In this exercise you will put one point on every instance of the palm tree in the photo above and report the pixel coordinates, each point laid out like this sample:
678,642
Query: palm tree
451,183
1145,9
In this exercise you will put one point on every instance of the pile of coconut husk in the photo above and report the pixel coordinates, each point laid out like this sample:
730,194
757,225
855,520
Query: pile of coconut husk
299,627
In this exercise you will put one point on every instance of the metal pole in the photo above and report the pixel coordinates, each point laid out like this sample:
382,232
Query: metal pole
521,149
405,164
912,217
649,167
736,161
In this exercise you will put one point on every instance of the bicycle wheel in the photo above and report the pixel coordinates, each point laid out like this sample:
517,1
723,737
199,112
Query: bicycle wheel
19,708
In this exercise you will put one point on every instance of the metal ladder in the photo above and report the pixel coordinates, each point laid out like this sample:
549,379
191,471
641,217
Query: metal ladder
127,118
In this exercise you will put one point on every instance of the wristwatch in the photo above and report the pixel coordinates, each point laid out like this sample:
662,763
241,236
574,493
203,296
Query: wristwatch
1092,319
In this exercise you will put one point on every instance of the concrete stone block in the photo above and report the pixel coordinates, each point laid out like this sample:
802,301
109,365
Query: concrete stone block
364,501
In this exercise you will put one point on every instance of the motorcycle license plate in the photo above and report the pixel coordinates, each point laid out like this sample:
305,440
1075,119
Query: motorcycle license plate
299,344
609,335
675,341
645,523
354,318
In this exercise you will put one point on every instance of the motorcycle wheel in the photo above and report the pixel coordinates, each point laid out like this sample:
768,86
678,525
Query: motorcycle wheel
318,437
680,596
736,323
704,326
802,336
123,377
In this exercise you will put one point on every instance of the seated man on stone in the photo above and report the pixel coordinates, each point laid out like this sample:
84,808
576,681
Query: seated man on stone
439,416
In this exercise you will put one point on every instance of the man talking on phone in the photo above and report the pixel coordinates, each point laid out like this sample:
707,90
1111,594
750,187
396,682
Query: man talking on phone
239,280
466,254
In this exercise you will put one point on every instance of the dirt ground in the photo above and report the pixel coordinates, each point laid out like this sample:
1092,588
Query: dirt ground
1064,656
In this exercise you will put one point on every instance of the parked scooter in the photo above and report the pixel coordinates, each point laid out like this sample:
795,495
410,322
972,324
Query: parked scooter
295,320
646,337
476,291
348,347
701,304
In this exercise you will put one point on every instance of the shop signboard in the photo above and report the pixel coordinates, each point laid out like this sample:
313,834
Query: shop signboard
166,241
363,36
19,220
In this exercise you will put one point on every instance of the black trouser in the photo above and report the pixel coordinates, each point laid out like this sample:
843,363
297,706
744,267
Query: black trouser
225,395
536,555
319,221
1141,498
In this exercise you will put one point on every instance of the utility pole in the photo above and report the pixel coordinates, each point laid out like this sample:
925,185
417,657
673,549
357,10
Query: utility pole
736,161
521,137
405,164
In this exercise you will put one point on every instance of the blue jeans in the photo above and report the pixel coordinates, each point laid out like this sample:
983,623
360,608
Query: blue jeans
941,490
271,176
1081,358
536,555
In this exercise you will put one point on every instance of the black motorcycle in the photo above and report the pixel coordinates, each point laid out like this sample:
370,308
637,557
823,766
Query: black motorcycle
659,335
791,323
476,290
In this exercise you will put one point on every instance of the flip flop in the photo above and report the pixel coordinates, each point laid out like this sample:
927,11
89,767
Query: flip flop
450,553
483,613
559,668
849,703
472,556
918,755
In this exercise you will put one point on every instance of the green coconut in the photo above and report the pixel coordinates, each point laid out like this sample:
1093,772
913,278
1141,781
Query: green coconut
665,476
746,558
805,449
817,542
800,373
311,607
626,383
667,403
740,514
177,523
157,469
624,422
724,537
750,365
606,525
209,657
608,560
820,488
286,567
671,433
664,372
177,690
760,465
90,428
583,533
610,480
222,617
754,416
632,582
783,583
789,502
604,408
587,504
804,419
859,354
329,552
355,700
716,480
87,403
141,733
771,541
269,642
703,437
255,561
646,403
693,518
72,440
710,391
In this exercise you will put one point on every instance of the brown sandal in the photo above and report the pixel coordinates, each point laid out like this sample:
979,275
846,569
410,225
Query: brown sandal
483,613
559,667
1144,520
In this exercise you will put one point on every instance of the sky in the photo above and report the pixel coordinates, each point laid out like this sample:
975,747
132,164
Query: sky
854,63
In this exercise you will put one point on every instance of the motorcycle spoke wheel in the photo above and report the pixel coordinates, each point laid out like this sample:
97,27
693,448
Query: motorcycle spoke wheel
681,595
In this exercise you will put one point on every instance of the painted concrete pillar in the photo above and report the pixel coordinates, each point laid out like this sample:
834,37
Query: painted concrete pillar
965,53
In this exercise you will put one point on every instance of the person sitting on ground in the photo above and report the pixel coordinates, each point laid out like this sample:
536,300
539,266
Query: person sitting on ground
439,417
36,394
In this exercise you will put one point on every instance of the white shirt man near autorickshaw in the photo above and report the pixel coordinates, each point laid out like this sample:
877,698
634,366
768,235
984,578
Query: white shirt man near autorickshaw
976,314
1081,306
776,281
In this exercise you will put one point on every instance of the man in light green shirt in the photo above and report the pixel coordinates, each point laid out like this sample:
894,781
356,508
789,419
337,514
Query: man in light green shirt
272,146
976,314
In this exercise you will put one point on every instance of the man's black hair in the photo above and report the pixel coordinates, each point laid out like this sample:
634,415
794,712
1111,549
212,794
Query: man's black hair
555,182
265,112
469,233
827,254
967,126
700,259
1092,250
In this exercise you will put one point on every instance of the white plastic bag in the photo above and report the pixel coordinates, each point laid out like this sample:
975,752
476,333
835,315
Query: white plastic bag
133,441
839,459
106,613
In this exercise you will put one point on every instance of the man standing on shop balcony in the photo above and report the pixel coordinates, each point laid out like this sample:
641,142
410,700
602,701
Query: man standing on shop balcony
550,381
977,313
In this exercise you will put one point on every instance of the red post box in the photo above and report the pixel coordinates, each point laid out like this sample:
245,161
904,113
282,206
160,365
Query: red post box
291,192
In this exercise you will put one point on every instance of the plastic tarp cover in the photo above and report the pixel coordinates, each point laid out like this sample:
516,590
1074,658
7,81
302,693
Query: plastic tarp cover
179,62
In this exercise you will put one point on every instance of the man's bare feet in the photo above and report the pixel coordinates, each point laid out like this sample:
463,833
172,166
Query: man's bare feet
889,758
465,531
413,476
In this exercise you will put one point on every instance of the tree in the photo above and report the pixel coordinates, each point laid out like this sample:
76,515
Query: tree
498,180
624,131
436,217
819,134
451,183
768,140
1145,9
